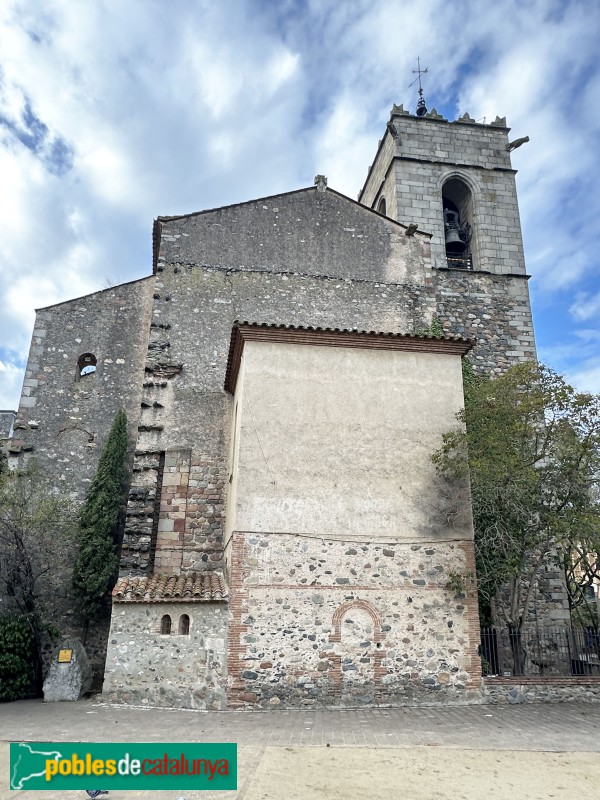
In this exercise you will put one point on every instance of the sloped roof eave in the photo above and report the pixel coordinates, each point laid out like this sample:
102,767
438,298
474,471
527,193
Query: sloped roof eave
194,587
336,337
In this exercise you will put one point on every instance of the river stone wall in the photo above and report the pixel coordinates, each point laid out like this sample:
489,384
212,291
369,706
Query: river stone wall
147,667
534,690
323,623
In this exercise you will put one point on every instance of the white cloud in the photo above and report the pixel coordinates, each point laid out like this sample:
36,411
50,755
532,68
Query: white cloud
341,165
586,306
112,113
587,335
11,378
586,378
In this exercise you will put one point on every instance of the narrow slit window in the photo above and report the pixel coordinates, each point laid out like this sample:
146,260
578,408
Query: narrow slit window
165,625
382,206
184,625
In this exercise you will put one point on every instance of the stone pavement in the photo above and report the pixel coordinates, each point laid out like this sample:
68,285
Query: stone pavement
350,734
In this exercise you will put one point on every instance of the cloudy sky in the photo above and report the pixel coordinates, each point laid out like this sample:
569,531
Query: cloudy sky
114,112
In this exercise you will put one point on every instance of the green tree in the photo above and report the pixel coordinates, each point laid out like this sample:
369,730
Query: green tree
3,465
532,450
37,527
96,562
581,563
17,655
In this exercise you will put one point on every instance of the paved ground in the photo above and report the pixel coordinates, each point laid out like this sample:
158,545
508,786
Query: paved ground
491,751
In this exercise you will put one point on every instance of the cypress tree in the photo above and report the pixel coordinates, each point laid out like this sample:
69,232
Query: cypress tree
3,465
97,560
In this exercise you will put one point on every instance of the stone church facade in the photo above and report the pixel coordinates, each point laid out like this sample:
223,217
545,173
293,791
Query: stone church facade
287,541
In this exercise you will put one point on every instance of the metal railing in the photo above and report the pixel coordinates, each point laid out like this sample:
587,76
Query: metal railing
459,262
537,651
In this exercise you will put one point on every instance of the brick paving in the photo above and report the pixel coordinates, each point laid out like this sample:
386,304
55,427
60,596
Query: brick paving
557,727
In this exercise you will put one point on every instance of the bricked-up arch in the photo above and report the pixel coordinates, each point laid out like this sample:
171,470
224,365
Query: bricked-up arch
341,611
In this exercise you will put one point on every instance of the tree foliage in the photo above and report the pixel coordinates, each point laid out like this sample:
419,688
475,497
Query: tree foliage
532,449
17,655
37,526
97,561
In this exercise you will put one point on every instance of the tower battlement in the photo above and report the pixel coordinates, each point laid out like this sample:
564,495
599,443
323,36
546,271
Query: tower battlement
427,166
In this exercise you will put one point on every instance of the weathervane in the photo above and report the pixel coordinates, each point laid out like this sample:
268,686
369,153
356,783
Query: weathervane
421,107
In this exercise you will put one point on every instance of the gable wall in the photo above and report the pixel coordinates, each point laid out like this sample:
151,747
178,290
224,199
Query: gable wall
63,421
307,232
307,258
217,267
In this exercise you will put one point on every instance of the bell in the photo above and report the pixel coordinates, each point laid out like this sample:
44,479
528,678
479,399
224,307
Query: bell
454,242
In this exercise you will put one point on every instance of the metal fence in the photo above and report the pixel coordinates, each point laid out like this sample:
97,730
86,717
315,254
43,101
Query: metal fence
540,651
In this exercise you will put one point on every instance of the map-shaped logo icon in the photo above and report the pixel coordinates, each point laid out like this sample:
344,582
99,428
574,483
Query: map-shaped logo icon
28,764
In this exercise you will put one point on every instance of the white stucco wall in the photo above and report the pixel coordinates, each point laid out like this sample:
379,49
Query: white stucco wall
338,441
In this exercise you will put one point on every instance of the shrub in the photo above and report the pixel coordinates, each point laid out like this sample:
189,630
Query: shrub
16,658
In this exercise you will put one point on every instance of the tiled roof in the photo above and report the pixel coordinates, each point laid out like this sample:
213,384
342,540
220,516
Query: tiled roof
353,331
335,337
196,587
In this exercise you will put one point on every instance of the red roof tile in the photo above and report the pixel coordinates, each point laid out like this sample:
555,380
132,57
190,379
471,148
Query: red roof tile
335,337
196,587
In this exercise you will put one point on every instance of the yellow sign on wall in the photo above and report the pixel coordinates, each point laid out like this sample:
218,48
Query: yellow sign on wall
65,656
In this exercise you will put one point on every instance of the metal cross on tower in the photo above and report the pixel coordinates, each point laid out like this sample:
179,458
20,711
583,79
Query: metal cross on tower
421,107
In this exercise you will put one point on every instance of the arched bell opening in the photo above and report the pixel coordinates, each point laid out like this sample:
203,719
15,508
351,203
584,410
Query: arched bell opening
457,204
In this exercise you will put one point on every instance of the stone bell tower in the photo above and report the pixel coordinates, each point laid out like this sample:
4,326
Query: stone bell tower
454,180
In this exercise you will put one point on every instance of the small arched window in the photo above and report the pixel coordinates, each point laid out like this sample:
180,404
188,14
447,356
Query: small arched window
165,625
184,625
382,207
86,364
457,202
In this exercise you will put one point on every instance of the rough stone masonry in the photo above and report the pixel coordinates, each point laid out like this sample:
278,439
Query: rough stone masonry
302,491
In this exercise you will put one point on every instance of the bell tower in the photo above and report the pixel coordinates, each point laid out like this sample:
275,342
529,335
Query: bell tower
455,181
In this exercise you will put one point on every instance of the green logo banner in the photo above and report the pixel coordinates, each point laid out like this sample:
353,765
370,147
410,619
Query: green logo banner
122,765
